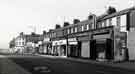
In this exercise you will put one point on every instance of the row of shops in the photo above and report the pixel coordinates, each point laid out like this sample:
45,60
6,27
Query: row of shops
105,43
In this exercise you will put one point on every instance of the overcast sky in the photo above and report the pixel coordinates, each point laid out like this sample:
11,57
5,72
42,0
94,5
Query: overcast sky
18,15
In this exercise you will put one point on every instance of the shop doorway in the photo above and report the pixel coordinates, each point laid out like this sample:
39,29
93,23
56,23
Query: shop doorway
74,50
101,49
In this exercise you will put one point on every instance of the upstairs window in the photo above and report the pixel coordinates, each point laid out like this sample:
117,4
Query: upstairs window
102,24
107,22
68,31
92,26
82,28
72,30
87,27
118,21
123,23
75,29
110,22
114,21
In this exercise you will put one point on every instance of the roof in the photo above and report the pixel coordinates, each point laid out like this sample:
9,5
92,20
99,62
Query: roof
106,16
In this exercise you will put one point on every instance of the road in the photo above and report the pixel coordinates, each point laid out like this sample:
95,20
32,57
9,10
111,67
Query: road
47,65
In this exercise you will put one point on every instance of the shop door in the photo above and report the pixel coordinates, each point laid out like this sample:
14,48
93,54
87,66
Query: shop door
109,49
93,49
72,50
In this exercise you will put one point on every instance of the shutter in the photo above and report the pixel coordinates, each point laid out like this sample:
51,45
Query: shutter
85,49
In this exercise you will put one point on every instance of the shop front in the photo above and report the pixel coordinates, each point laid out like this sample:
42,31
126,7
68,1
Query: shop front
59,47
85,46
101,45
47,46
74,47
121,51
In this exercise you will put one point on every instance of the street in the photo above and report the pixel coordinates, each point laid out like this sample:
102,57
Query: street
48,65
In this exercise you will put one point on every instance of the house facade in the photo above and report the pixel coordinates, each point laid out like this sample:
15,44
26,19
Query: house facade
99,37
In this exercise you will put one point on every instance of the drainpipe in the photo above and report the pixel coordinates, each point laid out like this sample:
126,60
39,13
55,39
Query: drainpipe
67,46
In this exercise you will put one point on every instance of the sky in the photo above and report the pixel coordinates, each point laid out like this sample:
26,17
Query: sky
23,15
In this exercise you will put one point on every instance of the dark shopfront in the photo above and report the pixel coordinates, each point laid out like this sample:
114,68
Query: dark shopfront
74,47
101,45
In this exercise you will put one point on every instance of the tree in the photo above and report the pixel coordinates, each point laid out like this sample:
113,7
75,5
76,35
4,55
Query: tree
57,26
66,24
111,10
75,21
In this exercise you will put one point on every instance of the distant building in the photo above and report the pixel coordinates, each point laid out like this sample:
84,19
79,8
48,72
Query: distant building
27,43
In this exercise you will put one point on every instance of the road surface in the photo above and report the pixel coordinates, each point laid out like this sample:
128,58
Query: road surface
47,65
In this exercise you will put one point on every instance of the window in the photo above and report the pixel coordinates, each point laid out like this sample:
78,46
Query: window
22,43
92,25
114,22
75,29
123,22
87,27
102,24
19,43
72,30
65,31
68,31
107,22
118,21
110,21
82,28
99,25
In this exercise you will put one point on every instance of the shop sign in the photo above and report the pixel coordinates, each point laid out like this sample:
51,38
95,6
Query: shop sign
54,43
73,43
72,39
101,36
61,42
